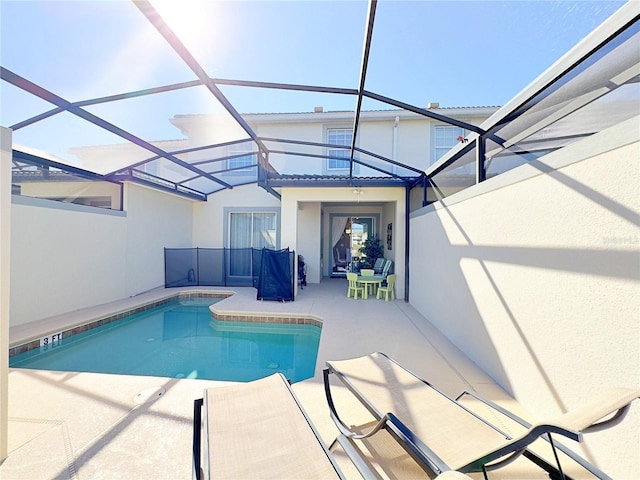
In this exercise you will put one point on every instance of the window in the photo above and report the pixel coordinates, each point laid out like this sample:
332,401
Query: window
445,138
338,136
248,230
243,157
252,229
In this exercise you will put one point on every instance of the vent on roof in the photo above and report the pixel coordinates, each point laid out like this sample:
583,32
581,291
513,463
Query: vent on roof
318,109
431,105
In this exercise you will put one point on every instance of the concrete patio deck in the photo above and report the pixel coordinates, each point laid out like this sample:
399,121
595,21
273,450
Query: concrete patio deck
67,425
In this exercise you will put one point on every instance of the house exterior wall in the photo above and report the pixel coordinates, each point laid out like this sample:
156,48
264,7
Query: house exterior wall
535,275
305,213
309,238
308,132
299,206
155,220
376,133
122,252
209,222
5,277
414,142
67,257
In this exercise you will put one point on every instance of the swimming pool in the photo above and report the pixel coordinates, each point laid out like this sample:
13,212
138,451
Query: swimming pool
181,339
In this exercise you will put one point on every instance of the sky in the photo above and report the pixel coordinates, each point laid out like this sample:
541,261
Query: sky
457,53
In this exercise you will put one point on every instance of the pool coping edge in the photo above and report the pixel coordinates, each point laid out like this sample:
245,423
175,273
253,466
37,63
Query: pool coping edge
32,341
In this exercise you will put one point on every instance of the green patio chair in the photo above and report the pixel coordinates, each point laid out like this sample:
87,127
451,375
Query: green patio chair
354,288
388,290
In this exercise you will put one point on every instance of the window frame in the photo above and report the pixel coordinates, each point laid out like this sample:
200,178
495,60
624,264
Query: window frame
228,211
336,152
249,153
435,148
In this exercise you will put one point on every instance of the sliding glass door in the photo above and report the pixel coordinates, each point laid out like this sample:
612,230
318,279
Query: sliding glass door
348,234
249,230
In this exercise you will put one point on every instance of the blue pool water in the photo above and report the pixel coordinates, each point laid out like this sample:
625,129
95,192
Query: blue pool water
182,340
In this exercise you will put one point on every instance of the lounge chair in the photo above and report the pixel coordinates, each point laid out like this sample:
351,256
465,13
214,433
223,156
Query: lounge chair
340,257
430,425
385,269
378,266
259,430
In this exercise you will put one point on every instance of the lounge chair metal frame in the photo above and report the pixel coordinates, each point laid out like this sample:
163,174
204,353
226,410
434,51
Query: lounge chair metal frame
500,457
295,414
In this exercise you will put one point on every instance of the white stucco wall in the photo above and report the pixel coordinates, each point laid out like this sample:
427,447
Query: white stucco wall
208,217
376,133
5,261
67,257
535,275
309,237
155,220
389,216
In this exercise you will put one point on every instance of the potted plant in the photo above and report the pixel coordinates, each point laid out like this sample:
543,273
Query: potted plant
372,249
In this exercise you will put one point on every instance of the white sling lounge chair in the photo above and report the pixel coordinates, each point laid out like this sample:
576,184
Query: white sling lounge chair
259,430
429,424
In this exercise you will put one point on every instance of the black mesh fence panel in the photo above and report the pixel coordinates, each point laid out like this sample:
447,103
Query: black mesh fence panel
211,266
180,267
276,281
239,268
218,267
256,262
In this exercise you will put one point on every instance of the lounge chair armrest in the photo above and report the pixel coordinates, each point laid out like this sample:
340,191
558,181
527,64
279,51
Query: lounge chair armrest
419,451
495,406
614,404
343,427
602,412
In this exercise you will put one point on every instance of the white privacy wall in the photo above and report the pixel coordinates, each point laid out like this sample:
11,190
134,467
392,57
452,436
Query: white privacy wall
155,220
535,275
67,257
5,259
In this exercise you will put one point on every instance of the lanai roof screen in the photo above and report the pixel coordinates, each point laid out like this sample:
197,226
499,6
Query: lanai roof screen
166,92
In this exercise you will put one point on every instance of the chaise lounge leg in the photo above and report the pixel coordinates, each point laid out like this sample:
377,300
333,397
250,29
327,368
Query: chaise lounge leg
197,428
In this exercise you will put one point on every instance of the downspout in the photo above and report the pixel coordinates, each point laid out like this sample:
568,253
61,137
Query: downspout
394,144
407,204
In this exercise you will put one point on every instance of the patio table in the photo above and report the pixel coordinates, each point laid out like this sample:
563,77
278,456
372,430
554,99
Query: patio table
369,280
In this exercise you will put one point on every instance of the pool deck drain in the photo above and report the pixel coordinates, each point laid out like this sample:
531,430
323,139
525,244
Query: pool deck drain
149,394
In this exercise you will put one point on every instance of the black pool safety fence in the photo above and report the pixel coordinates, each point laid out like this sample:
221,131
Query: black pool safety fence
270,271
